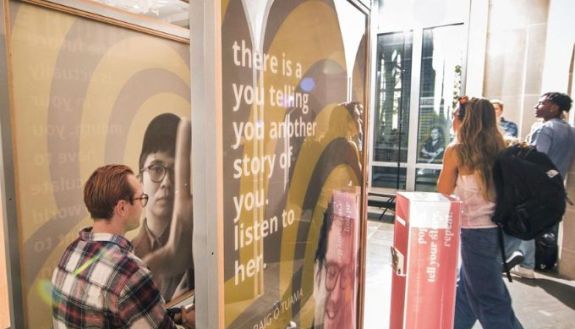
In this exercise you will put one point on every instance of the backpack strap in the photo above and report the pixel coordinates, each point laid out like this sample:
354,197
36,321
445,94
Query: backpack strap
502,248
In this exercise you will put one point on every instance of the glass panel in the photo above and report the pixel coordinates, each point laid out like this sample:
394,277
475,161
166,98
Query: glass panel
426,179
441,77
392,96
401,15
389,177
171,11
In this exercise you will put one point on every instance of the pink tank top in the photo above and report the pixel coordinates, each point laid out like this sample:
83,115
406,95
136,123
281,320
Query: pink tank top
476,211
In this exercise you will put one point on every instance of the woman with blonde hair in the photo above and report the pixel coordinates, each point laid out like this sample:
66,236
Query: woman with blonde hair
467,165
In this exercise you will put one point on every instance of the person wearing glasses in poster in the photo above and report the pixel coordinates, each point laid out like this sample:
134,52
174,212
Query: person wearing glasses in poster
164,241
99,282
334,273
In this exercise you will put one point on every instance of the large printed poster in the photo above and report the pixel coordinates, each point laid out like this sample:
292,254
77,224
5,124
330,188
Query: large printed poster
88,94
294,77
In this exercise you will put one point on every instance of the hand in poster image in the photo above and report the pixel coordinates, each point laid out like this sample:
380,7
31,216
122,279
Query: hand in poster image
355,109
165,238
335,266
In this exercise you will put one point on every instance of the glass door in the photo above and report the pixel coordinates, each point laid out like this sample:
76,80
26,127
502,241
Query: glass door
441,84
412,129
391,121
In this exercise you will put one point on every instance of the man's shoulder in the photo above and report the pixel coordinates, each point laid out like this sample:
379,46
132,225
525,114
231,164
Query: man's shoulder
508,122
103,263
120,273
555,123
101,267
557,126
128,264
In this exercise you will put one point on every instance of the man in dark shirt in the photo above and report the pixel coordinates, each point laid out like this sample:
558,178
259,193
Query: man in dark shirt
508,127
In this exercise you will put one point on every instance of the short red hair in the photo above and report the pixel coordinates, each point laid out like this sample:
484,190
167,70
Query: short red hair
106,186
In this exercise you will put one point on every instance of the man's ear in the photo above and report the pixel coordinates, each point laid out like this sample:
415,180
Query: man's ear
556,109
120,208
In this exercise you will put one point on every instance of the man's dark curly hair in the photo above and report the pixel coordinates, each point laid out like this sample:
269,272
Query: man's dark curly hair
560,99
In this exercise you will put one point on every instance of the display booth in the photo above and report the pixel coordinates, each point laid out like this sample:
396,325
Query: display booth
83,92
280,95
279,118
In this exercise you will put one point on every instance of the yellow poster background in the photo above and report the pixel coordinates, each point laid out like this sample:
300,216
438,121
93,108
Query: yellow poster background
308,35
84,92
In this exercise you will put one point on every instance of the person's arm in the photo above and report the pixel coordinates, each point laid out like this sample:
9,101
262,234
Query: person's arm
427,149
185,318
176,255
448,176
140,304
189,318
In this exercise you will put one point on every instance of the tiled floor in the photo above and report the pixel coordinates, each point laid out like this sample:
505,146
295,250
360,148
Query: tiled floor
545,303
378,274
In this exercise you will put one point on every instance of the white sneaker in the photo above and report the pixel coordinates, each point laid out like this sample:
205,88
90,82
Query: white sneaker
526,273
516,258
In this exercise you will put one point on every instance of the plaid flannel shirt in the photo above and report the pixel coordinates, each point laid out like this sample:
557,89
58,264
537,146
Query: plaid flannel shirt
100,283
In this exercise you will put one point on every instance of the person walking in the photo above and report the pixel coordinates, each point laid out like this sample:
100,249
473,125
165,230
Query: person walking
556,138
467,164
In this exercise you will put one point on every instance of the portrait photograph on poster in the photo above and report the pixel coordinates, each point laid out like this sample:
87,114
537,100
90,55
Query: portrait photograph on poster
89,94
159,233
336,268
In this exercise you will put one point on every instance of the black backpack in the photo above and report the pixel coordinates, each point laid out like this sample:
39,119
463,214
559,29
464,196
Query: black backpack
530,193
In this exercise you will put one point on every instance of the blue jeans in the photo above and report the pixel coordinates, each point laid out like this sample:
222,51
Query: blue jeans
481,292
527,248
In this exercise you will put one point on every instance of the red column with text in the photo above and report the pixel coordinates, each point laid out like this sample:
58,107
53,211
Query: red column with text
425,256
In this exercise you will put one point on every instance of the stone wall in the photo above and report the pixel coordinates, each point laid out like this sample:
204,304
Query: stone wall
514,57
